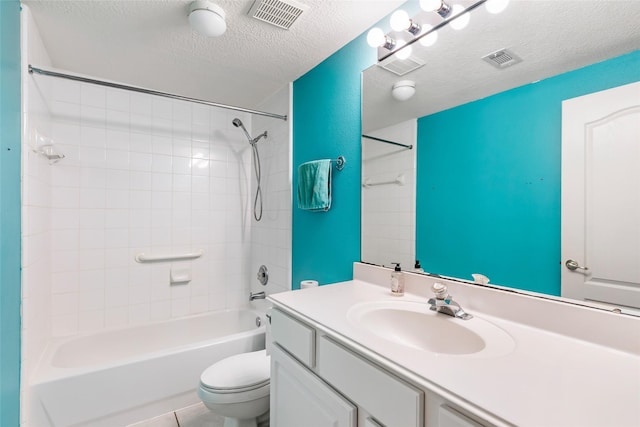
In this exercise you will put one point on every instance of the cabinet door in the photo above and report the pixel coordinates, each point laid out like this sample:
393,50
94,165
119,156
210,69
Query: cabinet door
299,398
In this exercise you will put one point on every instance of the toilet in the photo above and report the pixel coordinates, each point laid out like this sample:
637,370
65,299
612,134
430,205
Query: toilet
238,388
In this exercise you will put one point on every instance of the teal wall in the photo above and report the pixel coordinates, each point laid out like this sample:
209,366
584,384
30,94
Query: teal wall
488,180
326,124
9,213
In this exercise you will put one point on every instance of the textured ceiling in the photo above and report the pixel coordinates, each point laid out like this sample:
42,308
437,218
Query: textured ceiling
551,36
150,44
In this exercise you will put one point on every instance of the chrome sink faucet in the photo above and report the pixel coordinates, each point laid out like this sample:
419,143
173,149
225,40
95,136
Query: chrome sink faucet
444,303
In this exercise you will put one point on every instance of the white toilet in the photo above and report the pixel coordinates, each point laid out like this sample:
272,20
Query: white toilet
238,388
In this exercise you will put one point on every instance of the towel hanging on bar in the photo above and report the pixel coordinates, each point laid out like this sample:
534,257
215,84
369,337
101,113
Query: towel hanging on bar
314,185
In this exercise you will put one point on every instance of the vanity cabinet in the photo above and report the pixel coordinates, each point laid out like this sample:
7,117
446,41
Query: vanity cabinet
317,381
299,398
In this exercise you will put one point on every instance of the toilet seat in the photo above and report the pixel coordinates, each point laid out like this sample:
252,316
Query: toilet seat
238,378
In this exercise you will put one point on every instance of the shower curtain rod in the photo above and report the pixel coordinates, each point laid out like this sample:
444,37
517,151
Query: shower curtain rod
387,141
151,92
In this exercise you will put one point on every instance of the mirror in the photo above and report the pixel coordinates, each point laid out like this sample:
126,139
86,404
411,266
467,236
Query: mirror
486,155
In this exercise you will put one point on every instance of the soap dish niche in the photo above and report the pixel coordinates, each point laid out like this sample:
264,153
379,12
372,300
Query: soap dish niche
44,146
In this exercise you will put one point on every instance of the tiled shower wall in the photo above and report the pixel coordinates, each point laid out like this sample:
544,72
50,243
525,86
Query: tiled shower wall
144,174
388,219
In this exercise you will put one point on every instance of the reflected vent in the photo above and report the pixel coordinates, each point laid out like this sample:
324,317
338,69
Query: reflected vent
502,58
400,67
277,12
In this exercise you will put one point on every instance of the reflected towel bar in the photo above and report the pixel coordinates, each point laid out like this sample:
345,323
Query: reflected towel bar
388,142
399,181
141,257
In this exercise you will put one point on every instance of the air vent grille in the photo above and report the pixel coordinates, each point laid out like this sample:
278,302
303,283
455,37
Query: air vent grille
277,12
502,58
400,67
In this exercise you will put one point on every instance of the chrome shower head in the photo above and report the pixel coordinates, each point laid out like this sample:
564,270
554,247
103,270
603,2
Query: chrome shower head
238,123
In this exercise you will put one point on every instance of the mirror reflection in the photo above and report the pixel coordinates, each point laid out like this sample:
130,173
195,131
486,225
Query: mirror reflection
488,159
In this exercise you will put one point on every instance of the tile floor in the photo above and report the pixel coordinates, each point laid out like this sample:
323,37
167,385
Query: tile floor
192,416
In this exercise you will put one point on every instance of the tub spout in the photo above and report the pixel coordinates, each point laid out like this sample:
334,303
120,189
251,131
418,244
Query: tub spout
256,295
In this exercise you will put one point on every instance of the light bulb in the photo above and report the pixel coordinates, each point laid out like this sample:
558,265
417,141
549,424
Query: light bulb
400,20
430,5
431,38
461,21
496,6
375,37
403,51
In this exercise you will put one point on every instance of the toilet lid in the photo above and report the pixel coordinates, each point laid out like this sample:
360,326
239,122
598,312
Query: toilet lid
242,371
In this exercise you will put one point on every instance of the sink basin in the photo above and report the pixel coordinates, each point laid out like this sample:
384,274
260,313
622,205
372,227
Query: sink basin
413,325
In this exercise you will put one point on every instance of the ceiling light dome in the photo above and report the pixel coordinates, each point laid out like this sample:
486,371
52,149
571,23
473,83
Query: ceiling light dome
207,18
403,90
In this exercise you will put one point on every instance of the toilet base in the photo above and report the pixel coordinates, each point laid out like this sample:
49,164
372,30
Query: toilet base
260,421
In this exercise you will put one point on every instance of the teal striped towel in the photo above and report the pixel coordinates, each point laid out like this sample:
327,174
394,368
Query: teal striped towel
314,185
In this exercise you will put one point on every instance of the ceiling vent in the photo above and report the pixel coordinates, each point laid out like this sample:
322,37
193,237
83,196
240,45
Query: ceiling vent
502,58
277,12
400,67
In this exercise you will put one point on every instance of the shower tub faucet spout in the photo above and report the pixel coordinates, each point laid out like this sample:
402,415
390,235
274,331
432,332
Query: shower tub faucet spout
256,295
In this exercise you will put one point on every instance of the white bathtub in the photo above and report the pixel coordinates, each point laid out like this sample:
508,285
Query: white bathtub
118,377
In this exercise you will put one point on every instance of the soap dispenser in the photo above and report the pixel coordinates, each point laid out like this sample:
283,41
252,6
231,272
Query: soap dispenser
397,281
417,268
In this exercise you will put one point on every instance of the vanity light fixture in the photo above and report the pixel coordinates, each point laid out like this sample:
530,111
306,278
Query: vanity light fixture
207,18
403,90
456,15
438,6
400,21
377,38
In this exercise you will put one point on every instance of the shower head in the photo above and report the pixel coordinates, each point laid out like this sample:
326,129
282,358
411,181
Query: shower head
238,123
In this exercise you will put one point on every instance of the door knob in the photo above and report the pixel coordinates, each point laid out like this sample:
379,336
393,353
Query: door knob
573,265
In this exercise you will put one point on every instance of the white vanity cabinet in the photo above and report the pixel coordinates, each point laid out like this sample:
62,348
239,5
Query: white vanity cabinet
317,381
299,398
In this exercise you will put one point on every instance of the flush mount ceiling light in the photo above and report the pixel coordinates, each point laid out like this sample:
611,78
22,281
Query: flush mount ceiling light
403,90
207,18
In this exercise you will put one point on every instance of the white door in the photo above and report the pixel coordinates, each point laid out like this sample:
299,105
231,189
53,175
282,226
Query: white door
299,398
601,197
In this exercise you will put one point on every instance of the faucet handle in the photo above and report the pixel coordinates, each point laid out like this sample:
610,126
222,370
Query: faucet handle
440,290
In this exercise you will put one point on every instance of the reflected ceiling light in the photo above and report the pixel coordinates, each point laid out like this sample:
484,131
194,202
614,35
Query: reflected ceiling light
461,21
400,21
438,6
207,18
377,38
429,39
403,90
496,6
403,51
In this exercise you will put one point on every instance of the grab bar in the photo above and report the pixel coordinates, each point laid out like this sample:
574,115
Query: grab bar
399,181
141,257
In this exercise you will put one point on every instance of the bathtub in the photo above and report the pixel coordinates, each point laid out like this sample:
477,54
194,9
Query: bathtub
118,377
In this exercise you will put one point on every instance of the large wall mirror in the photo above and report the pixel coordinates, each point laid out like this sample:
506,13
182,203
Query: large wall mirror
467,174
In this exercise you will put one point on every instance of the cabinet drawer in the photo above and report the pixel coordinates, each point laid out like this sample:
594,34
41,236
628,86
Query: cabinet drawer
389,399
295,337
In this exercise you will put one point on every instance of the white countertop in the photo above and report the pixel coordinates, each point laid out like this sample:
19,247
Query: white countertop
547,380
